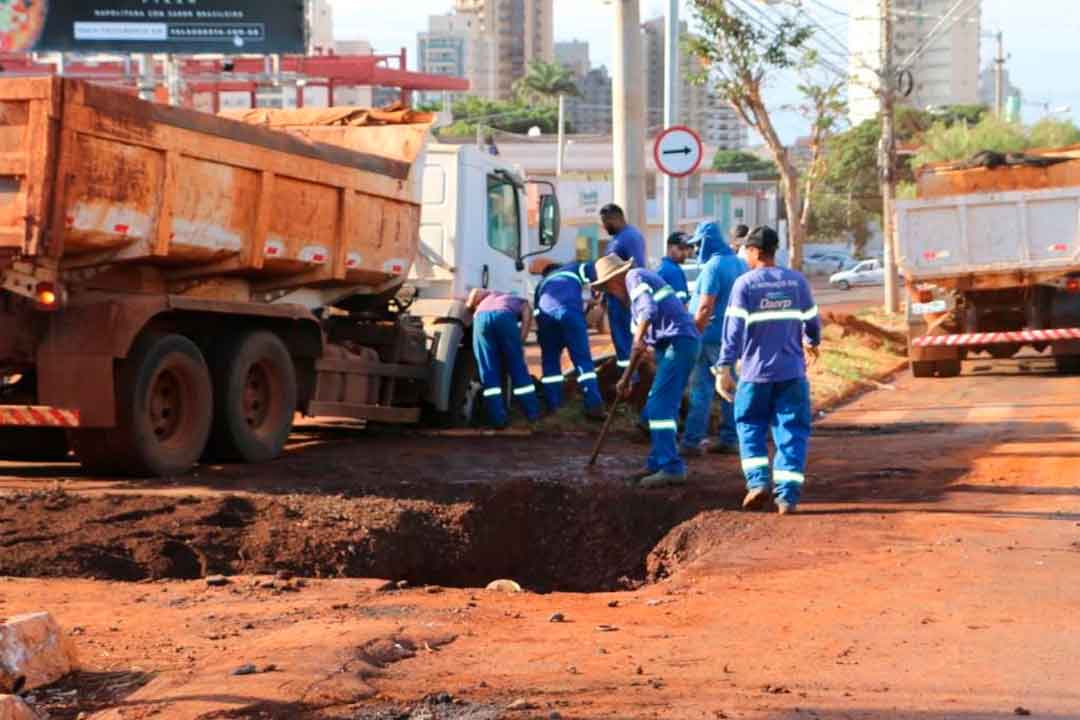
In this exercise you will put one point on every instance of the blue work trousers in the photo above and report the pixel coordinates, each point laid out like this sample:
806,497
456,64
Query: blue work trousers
621,335
674,361
498,348
702,392
566,331
784,409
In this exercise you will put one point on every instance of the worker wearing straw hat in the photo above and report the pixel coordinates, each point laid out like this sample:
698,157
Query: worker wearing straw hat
660,321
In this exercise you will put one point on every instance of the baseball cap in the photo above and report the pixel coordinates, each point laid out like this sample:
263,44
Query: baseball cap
763,237
678,238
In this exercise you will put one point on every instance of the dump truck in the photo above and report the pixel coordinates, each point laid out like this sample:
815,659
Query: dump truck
177,285
990,252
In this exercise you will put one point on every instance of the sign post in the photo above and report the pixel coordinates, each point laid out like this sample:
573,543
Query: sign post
678,151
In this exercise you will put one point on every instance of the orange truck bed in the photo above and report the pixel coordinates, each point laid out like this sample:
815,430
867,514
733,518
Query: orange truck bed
92,178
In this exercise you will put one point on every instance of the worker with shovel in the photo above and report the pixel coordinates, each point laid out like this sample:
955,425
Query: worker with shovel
770,310
660,321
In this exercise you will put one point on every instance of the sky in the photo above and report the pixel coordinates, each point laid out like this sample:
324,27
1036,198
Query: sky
1040,37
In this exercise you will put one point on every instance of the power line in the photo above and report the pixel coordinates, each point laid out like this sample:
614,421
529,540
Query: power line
830,8
763,21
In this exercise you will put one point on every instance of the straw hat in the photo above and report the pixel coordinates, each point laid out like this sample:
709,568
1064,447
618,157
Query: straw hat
610,267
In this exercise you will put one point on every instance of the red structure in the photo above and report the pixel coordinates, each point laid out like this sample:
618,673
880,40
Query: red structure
249,74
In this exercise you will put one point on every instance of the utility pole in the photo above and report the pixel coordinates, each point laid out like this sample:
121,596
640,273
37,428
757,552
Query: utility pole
671,107
628,114
562,137
887,157
999,76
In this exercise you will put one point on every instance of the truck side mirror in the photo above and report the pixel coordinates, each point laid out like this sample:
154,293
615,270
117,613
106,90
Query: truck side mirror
549,221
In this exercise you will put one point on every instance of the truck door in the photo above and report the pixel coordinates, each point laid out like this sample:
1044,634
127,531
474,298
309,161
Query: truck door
504,231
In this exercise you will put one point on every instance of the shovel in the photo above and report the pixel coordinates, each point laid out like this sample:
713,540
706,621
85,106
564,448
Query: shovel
628,373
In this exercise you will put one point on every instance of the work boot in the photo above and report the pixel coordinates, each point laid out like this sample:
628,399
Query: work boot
692,450
785,508
595,414
663,478
756,499
723,448
635,479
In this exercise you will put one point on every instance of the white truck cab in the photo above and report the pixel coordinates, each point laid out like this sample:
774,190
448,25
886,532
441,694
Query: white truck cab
474,233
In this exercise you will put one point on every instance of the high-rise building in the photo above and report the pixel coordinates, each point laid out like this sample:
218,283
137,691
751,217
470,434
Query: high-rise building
988,88
945,73
590,114
320,27
456,45
699,108
520,32
574,56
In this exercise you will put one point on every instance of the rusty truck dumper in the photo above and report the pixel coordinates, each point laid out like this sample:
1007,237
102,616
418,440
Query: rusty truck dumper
178,285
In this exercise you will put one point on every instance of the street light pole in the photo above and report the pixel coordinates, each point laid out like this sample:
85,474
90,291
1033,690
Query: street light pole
999,76
559,159
671,105
887,158
628,114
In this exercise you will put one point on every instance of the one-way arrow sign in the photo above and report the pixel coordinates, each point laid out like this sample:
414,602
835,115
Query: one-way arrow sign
678,151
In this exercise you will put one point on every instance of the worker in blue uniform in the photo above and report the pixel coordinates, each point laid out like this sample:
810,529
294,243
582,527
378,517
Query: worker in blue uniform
771,311
560,324
627,243
662,323
720,268
498,343
678,252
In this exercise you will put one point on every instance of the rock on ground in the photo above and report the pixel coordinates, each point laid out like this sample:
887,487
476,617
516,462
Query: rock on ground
13,708
33,647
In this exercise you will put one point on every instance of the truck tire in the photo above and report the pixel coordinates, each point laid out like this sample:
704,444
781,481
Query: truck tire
935,368
255,396
164,408
34,444
466,401
1067,364
922,368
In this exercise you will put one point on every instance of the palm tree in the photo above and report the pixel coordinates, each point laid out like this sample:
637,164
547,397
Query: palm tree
544,82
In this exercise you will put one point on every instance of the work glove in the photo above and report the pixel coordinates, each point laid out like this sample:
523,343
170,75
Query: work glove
725,382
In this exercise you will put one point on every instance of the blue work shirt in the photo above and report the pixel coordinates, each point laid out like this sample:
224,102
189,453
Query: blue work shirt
653,300
770,309
720,268
629,244
561,291
674,276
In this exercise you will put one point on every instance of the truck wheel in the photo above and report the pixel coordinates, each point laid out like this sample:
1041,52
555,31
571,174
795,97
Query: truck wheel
1067,364
163,404
33,444
922,368
948,368
466,400
254,398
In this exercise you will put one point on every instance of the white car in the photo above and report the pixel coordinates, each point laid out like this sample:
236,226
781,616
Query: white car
868,272
826,263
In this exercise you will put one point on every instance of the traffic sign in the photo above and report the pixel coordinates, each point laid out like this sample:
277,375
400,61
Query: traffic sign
678,151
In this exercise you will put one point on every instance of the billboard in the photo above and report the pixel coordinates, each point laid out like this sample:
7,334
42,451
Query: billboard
160,26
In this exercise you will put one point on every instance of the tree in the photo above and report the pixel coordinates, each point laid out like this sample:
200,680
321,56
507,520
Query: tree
943,143
514,117
740,55
823,107
544,83
1052,133
739,161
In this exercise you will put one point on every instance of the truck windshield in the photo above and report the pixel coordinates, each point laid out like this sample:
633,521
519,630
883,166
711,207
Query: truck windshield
504,228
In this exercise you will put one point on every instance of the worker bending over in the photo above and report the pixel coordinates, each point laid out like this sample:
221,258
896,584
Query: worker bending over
770,310
661,322
627,243
499,347
560,324
678,252
720,268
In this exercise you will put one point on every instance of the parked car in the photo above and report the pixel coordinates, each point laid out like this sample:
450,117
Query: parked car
867,272
826,263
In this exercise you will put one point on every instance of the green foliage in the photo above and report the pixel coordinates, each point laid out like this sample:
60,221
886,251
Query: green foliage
514,117
960,114
429,107
943,143
738,161
1053,133
544,83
